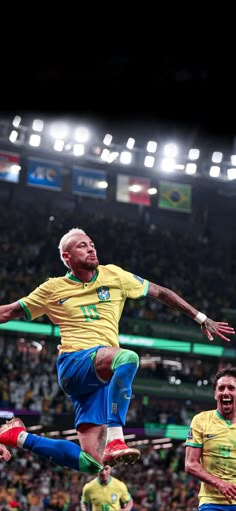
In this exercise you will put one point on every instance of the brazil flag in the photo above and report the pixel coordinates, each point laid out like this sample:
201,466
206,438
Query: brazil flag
175,196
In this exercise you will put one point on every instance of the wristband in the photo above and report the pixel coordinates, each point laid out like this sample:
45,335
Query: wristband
200,318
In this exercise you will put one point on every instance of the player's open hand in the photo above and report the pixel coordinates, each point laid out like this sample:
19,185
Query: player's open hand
4,453
218,328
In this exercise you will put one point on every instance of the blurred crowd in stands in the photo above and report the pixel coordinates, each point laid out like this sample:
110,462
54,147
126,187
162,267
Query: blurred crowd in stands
158,483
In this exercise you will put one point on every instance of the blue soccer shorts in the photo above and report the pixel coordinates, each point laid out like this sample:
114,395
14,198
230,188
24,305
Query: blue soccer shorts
78,379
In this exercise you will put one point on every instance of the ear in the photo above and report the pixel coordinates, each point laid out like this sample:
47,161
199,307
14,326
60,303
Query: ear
215,395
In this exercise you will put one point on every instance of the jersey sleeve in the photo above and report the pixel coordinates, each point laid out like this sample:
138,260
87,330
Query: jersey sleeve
125,495
35,304
195,434
85,494
132,285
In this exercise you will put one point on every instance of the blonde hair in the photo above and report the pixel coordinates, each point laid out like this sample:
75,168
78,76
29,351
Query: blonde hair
64,241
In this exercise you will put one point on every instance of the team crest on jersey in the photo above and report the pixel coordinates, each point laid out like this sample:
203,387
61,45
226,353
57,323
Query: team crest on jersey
113,497
103,293
138,278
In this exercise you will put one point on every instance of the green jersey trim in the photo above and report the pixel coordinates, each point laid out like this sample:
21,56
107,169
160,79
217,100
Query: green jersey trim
25,309
72,277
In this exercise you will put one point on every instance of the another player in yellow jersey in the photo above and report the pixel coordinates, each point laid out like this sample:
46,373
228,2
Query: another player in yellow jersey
211,447
105,493
94,372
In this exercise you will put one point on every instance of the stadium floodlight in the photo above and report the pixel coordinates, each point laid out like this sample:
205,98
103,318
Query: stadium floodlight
168,164
16,121
105,155
149,161
214,171
13,136
191,168
233,159
130,143
125,157
151,146
37,125
35,140
170,150
112,156
82,135
78,149
231,173
59,145
59,130
217,157
107,139
194,154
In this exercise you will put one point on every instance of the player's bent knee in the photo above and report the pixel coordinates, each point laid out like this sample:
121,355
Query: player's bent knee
125,357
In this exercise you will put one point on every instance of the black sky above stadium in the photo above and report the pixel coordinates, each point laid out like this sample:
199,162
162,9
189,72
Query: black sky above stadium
186,80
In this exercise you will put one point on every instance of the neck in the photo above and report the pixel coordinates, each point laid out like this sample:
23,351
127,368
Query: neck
84,275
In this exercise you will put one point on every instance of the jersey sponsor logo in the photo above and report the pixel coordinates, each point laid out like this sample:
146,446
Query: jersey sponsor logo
103,293
138,278
114,497
62,300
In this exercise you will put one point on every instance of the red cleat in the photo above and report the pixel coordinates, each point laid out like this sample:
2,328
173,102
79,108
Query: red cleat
10,431
117,452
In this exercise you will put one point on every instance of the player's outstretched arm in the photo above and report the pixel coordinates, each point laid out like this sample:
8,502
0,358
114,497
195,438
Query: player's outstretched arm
173,300
10,311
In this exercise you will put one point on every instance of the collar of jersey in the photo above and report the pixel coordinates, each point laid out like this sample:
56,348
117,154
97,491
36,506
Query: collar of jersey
222,418
72,277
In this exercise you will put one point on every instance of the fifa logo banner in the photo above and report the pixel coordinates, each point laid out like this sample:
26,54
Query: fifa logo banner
9,167
44,174
89,182
175,196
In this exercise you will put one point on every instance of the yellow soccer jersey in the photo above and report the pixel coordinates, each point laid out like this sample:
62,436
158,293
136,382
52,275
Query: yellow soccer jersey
217,438
105,497
87,313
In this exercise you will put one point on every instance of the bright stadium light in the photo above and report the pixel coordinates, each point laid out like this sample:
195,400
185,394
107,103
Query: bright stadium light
82,135
13,136
168,164
35,140
16,121
191,168
217,157
149,161
214,171
125,157
151,146
37,125
78,149
59,130
233,159
231,173
59,145
107,139
170,150
130,143
194,154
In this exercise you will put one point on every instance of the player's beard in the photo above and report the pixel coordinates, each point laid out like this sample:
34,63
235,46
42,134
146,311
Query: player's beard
89,265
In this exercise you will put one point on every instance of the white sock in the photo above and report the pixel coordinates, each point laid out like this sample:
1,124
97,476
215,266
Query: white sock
114,433
21,438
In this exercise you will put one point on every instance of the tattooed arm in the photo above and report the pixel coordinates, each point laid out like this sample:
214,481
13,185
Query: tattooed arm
171,299
10,311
